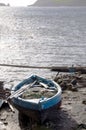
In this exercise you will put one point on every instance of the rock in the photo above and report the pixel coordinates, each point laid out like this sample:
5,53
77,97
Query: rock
69,86
63,85
74,82
84,102
74,89
82,126
59,81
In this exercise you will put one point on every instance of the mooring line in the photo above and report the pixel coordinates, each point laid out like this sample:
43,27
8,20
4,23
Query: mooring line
26,66
53,68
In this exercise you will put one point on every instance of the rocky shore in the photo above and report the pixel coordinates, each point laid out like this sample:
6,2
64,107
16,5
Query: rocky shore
70,116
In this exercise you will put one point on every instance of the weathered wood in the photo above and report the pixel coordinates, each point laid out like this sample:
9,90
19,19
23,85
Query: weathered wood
19,91
11,107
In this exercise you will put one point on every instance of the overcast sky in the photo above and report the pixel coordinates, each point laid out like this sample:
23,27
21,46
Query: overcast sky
18,2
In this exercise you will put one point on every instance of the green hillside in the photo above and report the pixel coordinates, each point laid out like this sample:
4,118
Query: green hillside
60,3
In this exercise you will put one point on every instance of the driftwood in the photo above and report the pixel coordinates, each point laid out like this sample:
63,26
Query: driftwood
70,69
71,81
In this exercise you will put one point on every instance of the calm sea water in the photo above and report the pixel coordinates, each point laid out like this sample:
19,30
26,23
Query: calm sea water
41,37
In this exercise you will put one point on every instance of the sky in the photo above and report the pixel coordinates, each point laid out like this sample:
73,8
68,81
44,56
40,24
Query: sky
18,2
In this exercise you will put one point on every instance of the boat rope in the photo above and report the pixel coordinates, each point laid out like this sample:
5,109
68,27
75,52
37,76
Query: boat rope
25,66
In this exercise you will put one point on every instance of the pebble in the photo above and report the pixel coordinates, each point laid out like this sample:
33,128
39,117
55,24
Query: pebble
5,123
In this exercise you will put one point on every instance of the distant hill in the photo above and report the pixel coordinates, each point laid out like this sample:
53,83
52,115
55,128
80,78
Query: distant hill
60,3
2,4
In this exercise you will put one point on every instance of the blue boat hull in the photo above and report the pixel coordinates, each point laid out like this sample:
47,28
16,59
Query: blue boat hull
37,111
36,115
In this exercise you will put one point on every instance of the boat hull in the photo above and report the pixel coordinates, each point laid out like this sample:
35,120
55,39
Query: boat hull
36,115
40,110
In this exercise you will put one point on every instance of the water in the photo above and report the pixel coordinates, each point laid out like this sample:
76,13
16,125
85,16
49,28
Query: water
41,37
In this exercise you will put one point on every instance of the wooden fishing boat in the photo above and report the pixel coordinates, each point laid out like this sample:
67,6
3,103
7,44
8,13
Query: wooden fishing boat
32,97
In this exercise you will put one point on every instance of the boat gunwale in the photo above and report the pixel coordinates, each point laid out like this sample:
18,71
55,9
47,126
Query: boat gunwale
56,97
46,99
